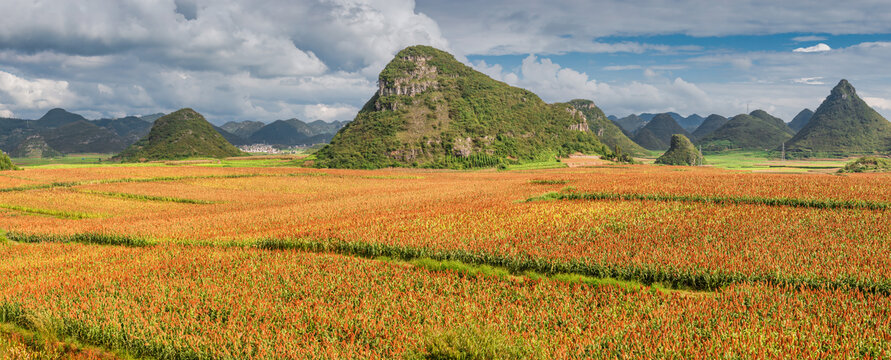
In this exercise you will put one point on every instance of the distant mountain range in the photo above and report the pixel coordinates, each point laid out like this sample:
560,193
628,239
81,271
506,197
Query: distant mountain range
61,132
632,123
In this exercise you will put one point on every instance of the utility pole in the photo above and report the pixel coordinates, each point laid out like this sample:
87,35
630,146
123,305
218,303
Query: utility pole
784,151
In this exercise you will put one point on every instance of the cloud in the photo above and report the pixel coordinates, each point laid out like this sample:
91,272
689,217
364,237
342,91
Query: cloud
330,112
821,47
809,80
621,67
233,59
878,103
530,26
809,38
21,93
555,83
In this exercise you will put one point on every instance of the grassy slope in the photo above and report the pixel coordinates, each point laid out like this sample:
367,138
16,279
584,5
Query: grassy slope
501,122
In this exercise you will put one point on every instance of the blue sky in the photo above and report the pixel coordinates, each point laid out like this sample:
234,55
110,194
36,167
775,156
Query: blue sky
276,59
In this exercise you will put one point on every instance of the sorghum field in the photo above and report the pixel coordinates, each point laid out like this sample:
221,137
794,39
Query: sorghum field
638,261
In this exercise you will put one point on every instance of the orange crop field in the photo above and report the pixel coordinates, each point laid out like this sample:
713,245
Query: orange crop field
631,261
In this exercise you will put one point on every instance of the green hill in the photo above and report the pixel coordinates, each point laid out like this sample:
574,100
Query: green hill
843,125
709,125
432,111
756,131
656,134
607,131
182,134
58,117
801,120
681,152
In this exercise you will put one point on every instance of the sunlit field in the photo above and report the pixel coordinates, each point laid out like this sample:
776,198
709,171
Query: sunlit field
196,261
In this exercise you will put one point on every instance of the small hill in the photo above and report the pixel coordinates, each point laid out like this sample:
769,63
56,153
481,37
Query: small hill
432,111
709,125
34,146
83,136
181,134
756,131
656,134
843,125
6,162
867,164
58,117
681,152
801,120
243,129
607,131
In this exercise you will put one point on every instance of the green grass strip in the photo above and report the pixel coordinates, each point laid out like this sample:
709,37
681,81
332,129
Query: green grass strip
745,200
126,180
85,238
146,197
49,212
699,279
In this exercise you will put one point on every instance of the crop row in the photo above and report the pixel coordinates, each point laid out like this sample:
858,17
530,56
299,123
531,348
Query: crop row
209,302
782,201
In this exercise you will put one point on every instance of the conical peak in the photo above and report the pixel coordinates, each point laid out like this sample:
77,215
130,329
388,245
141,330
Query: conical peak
843,89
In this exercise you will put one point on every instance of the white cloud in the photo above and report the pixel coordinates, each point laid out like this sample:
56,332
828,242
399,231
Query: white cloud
809,80
555,83
821,47
21,93
621,67
878,103
551,27
329,112
233,59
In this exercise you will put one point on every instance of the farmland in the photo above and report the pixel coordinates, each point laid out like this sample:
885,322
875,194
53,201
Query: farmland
282,262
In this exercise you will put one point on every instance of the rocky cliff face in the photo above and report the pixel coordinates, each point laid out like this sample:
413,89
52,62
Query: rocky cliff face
419,79
582,124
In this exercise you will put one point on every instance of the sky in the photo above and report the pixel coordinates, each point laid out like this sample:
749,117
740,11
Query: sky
264,60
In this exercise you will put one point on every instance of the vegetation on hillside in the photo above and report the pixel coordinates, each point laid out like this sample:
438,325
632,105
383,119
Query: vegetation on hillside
843,125
433,111
868,164
607,131
6,162
681,152
756,131
182,134
709,125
